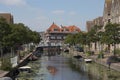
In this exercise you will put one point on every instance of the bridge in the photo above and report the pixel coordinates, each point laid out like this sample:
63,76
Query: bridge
49,50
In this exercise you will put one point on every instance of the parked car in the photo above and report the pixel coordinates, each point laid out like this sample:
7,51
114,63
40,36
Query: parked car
79,49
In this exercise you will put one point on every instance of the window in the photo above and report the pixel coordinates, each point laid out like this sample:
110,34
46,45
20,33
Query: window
59,37
55,29
52,37
109,20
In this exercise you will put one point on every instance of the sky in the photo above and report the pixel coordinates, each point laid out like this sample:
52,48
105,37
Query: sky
39,15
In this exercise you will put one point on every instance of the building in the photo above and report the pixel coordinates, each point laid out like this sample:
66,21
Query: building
115,11
112,14
107,11
89,25
55,35
97,21
8,17
111,11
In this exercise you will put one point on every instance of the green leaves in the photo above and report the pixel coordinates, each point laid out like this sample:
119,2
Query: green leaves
16,34
112,34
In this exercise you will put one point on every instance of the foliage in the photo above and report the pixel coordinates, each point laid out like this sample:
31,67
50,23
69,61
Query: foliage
4,31
89,53
6,64
111,34
15,35
70,39
117,52
101,55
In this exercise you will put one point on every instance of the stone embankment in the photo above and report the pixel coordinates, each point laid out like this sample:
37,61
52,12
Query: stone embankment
114,66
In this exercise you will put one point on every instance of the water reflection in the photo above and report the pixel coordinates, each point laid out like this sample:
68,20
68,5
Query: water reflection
58,68
97,72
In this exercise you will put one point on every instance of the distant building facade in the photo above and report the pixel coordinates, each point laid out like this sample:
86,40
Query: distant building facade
97,21
8,17
112,14
111,11
115,11
107,11
55,34
89,25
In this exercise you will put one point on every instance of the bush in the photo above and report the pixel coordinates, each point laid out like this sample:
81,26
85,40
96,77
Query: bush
6,64
117,52
101,55
89,53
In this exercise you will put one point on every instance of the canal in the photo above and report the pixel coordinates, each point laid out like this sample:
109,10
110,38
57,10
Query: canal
58,68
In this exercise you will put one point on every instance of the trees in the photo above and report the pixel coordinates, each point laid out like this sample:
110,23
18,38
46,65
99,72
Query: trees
111,35
14,35
70,39
4,31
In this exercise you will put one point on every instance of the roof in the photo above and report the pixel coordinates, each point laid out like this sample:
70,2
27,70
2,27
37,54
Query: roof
73,28
52,27
56,28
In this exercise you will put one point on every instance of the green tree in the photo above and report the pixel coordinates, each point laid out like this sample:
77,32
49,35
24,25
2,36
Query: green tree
111,34
70,39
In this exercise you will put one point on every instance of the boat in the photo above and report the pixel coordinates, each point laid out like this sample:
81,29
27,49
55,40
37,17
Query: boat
25,69
88,60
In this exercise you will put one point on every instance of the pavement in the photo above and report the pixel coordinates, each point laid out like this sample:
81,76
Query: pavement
2,73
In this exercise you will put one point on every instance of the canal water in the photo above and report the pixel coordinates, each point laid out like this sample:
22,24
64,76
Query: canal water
58,68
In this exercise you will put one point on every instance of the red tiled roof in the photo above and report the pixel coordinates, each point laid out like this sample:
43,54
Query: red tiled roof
64,28
72,28
52,27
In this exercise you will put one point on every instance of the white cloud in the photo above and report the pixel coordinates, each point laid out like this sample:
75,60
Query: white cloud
58,12
13,2
72,13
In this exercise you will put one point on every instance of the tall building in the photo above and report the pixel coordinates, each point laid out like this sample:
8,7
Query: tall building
115,11
111,14
107,11
8,17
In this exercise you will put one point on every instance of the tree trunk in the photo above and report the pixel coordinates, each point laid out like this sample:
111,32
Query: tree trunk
95,46
109,48
114,53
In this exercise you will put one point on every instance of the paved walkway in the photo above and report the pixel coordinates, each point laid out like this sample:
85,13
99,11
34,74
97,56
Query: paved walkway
2,73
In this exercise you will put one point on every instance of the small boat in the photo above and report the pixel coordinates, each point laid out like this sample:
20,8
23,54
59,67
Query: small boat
88,60
25,68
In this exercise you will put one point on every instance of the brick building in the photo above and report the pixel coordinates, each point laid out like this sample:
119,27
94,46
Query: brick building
8,17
